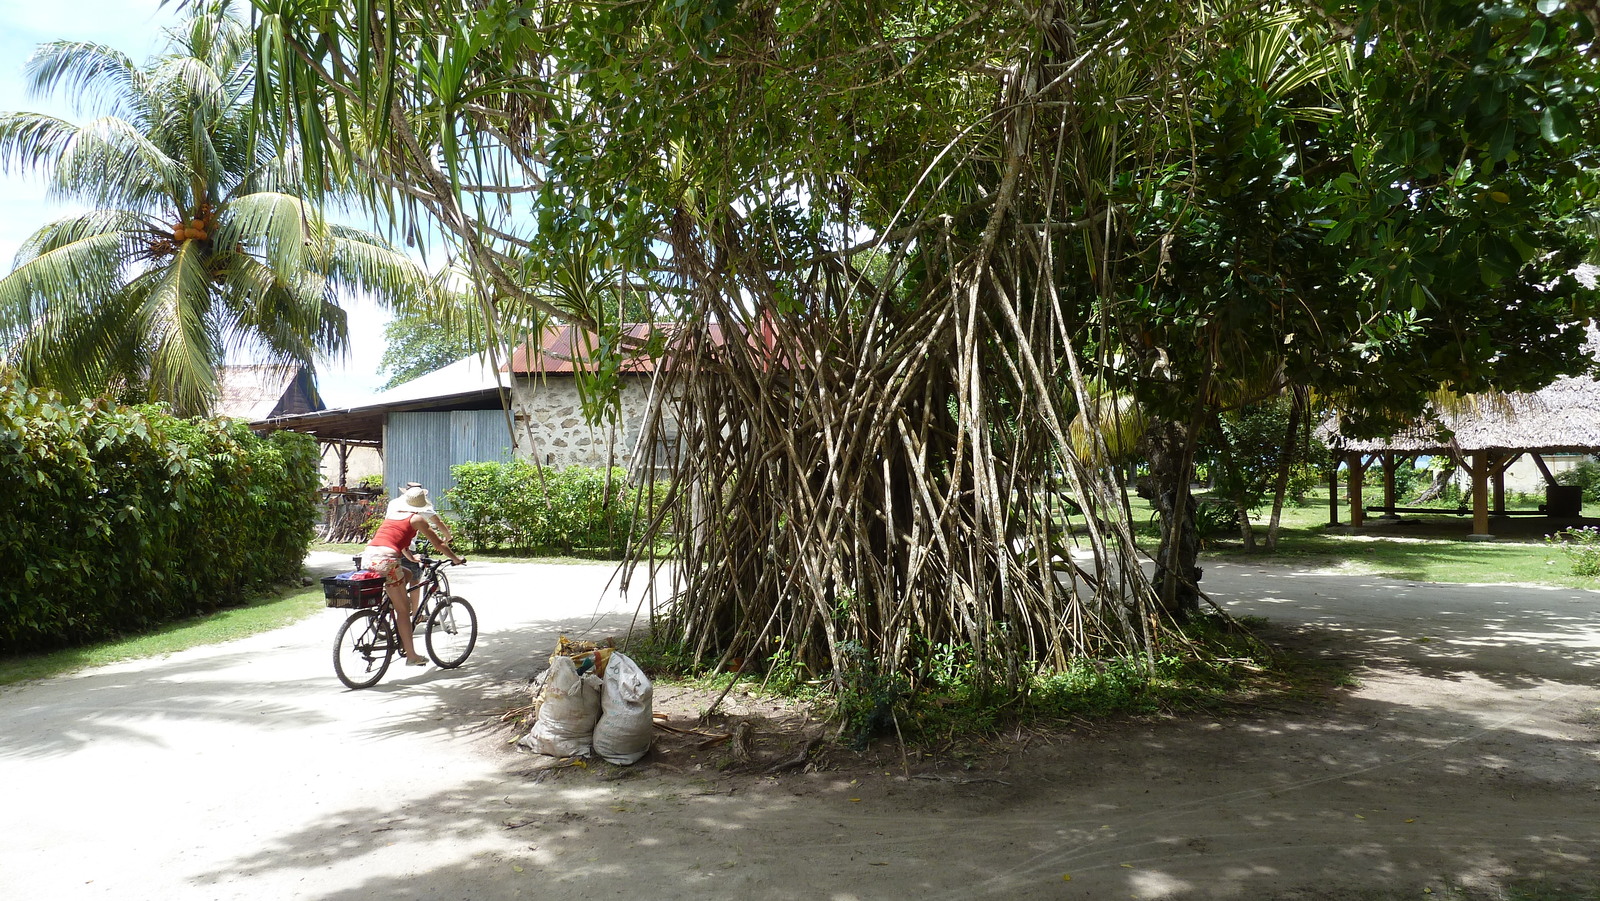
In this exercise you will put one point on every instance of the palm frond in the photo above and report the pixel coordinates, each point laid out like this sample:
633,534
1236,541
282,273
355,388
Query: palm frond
362,261
1107,432
206,94
107,162
288,319
128,226
56,303
100,80
277,227
68,264
215,32
174,309
33,140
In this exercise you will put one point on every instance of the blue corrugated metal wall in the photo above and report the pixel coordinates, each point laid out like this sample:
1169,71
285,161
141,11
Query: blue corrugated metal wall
421,447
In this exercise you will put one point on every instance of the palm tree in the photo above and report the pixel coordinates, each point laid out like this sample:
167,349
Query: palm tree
195,245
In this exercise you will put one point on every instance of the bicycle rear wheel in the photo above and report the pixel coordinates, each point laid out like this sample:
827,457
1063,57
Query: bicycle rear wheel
452,632
361,652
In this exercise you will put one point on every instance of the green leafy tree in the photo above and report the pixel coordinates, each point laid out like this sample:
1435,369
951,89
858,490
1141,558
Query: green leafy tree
196,244
1403,224
418,345
953,236
1256,454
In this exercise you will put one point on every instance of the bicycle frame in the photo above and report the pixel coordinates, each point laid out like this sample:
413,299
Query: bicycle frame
373,638
428,580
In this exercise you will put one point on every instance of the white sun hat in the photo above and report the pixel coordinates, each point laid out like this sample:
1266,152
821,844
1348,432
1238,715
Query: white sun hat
411,501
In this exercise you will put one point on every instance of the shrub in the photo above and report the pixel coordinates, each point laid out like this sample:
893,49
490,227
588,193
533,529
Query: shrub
518,507
1215,518
1581,544
125,518
1409,481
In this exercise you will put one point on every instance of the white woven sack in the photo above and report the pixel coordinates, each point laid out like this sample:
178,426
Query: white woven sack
627,705
566,721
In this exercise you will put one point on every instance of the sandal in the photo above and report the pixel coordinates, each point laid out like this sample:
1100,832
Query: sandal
416,661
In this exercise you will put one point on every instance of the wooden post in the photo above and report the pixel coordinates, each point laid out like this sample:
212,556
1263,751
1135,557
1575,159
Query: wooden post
1480,495
1358,471
1500,464
343,450
1388,483
1333,494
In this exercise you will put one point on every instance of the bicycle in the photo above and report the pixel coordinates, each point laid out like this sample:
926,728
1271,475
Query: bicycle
367,642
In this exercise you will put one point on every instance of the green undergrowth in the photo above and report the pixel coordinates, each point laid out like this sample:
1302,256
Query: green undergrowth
1211,665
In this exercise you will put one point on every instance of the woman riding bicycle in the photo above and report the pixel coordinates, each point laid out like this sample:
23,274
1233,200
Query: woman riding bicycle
407,515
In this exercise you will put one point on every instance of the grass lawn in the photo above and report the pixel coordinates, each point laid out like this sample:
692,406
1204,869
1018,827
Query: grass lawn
271,611
1420,547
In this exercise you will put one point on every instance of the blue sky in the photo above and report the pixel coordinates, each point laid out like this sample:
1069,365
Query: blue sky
135,28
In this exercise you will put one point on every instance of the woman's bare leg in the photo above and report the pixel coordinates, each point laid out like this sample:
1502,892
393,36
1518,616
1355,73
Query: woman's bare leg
402,615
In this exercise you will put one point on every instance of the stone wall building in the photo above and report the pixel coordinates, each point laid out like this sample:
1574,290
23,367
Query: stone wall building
547,404
552,430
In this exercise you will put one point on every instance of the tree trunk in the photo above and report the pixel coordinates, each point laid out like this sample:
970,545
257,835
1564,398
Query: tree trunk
1247,535
1286,460
1247,532
1169,448
1441,480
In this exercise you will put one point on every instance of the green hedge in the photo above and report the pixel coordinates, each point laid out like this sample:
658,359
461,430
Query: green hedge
519,508
125,518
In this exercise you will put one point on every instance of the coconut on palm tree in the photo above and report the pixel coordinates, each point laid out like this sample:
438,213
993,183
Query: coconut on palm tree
195,245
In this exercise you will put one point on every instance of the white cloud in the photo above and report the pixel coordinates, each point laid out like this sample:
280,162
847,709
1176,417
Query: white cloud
351,380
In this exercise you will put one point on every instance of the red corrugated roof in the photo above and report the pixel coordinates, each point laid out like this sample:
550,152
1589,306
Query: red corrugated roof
562,349
566,348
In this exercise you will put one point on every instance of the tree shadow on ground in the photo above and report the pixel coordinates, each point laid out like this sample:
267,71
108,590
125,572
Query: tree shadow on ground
128,702
1439,630
1335,805
1467,768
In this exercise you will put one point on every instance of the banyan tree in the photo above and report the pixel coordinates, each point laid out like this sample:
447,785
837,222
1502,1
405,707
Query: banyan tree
933,277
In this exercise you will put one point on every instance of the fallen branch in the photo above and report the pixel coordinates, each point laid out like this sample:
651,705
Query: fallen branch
713,742
955,780
676,731
797,761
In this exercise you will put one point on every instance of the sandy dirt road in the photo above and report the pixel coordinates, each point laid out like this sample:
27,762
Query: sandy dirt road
1466,761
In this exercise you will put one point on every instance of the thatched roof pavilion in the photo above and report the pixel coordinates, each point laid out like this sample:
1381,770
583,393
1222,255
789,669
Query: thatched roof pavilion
1484,434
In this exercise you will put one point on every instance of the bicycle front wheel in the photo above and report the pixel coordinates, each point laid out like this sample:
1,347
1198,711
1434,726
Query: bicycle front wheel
452,632
362,651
